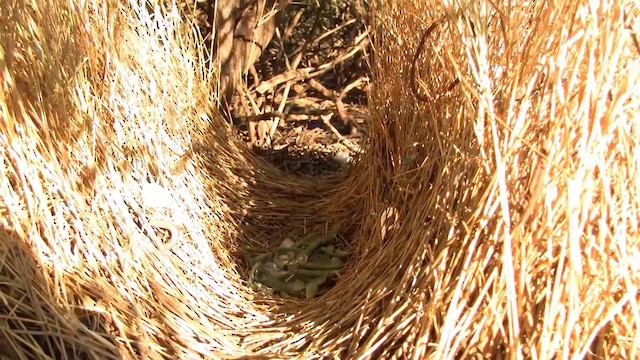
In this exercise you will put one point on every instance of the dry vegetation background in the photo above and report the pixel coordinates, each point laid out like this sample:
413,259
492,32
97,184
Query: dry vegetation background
496,218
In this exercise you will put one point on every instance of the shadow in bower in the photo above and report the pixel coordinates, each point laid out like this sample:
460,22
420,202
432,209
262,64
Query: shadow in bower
32,324
267,205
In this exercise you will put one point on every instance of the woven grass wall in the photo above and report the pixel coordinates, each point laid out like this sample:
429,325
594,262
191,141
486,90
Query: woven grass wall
494,213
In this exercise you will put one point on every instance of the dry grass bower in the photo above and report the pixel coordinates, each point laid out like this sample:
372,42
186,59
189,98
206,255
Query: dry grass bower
493,214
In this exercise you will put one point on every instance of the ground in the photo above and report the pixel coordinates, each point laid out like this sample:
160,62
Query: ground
305,145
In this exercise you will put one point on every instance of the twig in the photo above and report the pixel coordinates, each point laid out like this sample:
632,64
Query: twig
317,86
342,114
420,50
312,72
285,93
353,85
245,98
326,119
289,75
332,31
292,25
414,64
337,98
276,120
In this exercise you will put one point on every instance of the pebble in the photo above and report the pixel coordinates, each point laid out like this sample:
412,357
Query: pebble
342,158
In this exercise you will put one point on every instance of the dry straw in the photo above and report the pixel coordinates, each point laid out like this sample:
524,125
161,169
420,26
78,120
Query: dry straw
494,213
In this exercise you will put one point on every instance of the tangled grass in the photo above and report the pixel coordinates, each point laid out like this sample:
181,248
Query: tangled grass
493,218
